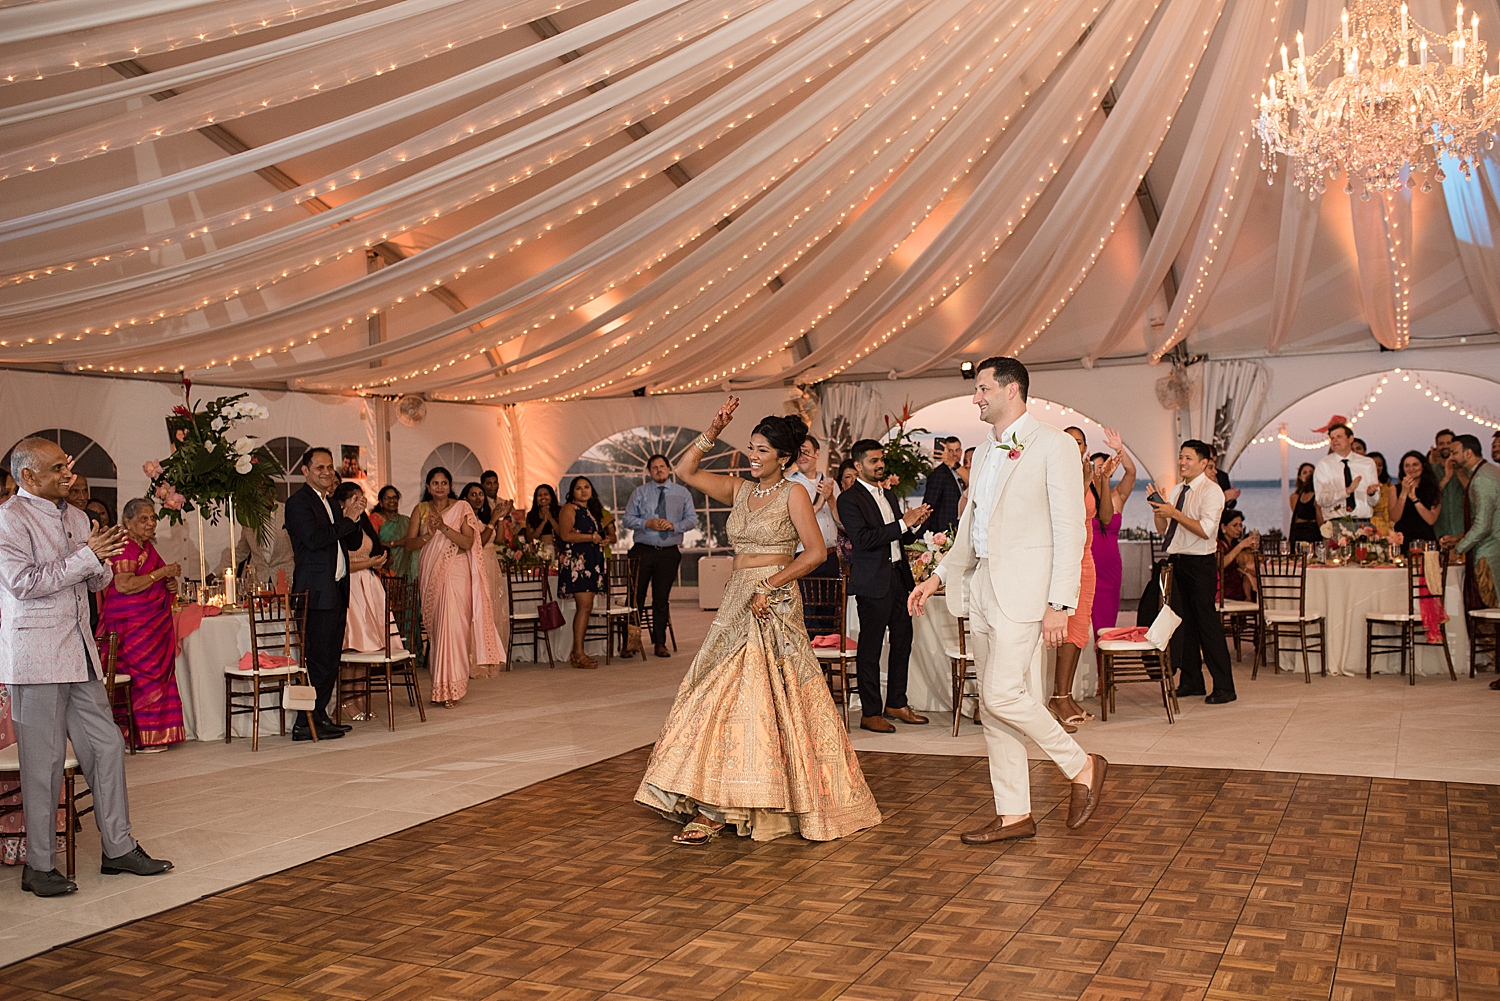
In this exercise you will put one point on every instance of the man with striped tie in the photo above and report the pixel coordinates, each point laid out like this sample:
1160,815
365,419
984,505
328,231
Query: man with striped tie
659,512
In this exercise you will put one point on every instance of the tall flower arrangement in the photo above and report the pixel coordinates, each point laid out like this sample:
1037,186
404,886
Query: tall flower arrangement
905,457
212,465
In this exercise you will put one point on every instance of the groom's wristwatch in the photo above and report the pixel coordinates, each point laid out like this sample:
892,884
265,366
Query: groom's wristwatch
1059,608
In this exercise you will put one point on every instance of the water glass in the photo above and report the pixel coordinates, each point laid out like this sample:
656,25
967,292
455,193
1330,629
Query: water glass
1284,547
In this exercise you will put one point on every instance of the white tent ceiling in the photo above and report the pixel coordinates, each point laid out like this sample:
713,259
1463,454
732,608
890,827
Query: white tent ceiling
510,200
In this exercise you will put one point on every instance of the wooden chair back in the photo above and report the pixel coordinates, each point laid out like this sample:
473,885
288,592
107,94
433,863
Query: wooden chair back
826,599
528,589
622,572
1416,580
278,623
1158,548
111,654
1283,582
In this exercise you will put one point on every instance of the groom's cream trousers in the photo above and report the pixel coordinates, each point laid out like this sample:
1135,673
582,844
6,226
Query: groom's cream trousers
1003,653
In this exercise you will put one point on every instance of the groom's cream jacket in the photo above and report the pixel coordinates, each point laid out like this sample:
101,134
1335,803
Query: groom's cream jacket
1036,527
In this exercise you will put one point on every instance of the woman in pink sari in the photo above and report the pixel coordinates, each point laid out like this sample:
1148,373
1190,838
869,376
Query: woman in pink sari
455,601
138,605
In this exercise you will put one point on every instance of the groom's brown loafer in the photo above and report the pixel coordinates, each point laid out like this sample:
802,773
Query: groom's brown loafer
1085,798
995,831
878,724
905,715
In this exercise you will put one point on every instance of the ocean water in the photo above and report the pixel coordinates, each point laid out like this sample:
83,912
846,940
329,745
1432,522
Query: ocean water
1261,500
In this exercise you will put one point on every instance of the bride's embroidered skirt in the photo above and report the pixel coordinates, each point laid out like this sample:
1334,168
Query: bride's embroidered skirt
754,737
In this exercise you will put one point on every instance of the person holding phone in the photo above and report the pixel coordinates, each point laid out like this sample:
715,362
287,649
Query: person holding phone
1189,527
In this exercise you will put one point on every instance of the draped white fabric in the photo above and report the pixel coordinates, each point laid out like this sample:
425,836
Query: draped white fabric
1228,411
673,195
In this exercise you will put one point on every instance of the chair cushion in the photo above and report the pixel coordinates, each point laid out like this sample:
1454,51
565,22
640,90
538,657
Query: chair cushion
953,654
122,679
1125,646
1392,617
269,672
1288,615
1485,613
613,611
523,616
374,657
832,653
10,761
1238,607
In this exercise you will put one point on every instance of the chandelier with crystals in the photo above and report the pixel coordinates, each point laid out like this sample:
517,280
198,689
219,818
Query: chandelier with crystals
1371,104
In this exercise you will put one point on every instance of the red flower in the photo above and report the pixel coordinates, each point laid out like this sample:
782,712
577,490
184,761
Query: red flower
182,411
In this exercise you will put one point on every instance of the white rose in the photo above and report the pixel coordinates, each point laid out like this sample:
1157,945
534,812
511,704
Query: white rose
243,465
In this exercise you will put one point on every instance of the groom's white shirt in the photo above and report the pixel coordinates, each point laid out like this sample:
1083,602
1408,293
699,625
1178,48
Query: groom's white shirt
1034,523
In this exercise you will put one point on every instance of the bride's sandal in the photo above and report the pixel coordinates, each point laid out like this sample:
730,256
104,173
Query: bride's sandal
697,834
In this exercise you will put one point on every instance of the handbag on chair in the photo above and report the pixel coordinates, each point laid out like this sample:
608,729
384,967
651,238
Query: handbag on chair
549,616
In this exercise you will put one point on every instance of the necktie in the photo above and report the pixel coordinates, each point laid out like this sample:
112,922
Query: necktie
1166,540
661,503
1348,482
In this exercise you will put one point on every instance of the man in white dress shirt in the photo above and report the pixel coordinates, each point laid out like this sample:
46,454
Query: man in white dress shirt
1189,525
1015,570
1345,483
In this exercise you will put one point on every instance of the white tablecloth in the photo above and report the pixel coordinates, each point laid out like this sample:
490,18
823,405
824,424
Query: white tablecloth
1345,595
207,650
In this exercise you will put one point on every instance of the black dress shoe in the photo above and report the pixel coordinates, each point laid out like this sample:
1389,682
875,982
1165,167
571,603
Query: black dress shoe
136,862
324,733
46,884
327,724
1219,698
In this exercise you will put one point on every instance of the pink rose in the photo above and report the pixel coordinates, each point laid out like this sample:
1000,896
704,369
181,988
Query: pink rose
1015,453
152,469
163,491
174,501
940,539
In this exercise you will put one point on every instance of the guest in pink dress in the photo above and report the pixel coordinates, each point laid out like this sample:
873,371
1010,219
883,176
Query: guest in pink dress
365,628
492,518
1108,567
138,605
1097,506
455,602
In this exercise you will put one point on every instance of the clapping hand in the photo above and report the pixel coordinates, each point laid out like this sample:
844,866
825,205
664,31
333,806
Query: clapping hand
432,522
172,570
378,562
106,542
825,487
1373,489
354,506
917,515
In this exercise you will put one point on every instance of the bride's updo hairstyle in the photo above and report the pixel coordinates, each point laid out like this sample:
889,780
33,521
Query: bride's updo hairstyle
785,435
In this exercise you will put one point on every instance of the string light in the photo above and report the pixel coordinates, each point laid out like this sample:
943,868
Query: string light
1417,383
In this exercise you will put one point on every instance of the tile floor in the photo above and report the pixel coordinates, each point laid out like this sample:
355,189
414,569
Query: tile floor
225,816
1189,883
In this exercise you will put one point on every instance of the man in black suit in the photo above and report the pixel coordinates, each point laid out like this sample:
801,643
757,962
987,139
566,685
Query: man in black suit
880,579
944,488
322,570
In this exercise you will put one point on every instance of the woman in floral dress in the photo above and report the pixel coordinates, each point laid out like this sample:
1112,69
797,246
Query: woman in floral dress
581,570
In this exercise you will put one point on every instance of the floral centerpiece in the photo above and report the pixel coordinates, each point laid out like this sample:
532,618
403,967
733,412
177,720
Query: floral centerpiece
212,467
516,552
925,554
1361,541
905,458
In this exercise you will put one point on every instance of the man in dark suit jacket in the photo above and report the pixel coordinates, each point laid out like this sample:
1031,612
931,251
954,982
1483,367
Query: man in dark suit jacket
322,570
944,489
880,579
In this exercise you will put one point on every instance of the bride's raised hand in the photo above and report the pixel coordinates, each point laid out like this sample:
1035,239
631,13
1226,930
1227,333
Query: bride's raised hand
723,417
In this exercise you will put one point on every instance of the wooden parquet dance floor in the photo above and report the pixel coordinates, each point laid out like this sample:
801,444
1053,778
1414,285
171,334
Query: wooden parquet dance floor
1191,883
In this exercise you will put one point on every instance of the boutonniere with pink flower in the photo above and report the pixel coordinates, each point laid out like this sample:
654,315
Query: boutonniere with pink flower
1012,445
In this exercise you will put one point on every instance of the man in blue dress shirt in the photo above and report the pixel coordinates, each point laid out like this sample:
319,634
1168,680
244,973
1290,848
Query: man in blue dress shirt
659,511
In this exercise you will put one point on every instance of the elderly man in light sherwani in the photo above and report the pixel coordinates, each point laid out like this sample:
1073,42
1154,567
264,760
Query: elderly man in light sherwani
50,559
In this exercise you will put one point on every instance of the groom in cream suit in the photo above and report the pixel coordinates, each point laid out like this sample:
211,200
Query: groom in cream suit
1016,565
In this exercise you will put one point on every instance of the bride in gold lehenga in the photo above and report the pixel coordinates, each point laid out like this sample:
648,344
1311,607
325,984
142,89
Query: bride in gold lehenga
753,738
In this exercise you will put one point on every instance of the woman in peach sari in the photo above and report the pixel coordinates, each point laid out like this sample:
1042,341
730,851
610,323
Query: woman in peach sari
455,601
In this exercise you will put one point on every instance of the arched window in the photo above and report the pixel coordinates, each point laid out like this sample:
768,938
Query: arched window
90,460
617,465
288,452
458,459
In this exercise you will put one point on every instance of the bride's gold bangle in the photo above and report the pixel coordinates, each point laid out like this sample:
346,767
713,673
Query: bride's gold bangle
703,443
